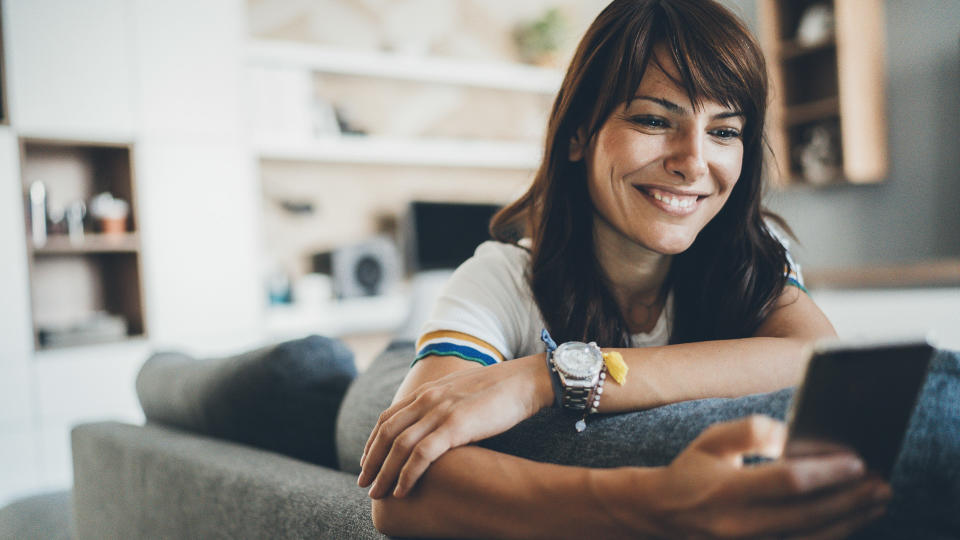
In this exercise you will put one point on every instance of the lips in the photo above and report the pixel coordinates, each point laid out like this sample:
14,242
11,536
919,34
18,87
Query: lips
670,201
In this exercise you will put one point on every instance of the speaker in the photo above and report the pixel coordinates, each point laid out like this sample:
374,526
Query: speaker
369,268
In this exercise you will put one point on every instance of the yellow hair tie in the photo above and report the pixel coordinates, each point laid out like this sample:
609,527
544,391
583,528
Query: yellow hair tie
616,367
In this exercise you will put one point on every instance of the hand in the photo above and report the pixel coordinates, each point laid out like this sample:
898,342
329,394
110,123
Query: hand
455,410
707,492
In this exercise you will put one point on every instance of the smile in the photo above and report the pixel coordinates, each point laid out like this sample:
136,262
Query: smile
672,203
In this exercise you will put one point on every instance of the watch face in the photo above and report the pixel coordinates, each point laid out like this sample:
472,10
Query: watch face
577,359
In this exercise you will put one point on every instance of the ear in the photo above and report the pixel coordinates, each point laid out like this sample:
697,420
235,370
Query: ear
578,145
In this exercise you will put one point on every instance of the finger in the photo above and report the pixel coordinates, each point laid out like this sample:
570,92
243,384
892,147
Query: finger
844,528
823,512
751,435
384,416
400,451
423,455
796,477
383,439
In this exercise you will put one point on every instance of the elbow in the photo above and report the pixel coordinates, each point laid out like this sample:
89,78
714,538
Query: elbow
388,517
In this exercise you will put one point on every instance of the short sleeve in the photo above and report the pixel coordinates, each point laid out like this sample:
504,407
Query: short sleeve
484,310
792,271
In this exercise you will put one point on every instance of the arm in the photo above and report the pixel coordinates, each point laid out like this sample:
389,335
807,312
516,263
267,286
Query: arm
772,359
463,405
477,493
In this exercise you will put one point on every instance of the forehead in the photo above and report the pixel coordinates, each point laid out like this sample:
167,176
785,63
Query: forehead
662,79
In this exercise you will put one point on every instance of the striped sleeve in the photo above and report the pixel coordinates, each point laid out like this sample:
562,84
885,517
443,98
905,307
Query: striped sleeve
450,343
792,269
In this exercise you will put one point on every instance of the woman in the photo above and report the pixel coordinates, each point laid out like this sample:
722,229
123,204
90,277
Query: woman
643,232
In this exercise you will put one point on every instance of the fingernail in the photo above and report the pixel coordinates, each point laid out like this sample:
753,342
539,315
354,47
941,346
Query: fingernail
855,466
882,493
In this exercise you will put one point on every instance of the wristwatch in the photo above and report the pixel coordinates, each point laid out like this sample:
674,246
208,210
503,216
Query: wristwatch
578,365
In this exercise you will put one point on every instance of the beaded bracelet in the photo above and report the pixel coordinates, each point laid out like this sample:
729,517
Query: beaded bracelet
593,402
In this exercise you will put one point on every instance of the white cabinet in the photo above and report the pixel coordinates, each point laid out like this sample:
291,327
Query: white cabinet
70,65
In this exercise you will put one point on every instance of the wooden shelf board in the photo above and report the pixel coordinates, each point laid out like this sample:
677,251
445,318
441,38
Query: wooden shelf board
937,273
414,152
497,75
792,49
93,243
812,111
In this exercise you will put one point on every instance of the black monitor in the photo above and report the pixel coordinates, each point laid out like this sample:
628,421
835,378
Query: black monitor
443,235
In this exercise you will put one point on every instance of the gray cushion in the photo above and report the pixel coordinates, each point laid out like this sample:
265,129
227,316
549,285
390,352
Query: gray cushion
282,398
38,517
143,482
367,397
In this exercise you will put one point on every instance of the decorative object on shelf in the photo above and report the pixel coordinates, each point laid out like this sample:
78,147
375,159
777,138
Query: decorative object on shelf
98,327
816,25
110,213
819,155
368,268
279,290
75,213
346,124
38,214
538,41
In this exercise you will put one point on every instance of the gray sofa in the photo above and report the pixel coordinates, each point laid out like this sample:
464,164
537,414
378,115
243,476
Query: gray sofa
169,479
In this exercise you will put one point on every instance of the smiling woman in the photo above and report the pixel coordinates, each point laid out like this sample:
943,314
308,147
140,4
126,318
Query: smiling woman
643,231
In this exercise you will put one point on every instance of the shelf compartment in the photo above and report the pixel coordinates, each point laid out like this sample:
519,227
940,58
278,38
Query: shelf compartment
414,152
498,75
69,290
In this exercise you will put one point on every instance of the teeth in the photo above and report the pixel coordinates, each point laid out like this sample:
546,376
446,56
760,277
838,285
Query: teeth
672,200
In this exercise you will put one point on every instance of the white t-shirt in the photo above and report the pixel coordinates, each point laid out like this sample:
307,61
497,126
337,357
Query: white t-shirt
486,312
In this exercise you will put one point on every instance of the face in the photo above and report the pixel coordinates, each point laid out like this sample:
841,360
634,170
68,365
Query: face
660,170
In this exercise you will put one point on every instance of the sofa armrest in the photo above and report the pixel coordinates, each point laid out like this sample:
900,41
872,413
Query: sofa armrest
156,482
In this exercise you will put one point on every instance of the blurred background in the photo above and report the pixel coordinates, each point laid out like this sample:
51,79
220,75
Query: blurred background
220,175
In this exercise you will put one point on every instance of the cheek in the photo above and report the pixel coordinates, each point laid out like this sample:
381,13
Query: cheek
728,169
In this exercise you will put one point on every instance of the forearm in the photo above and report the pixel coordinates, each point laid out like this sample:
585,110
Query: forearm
729,368
472,492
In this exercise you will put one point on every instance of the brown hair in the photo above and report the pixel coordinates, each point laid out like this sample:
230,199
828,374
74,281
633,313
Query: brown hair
725,284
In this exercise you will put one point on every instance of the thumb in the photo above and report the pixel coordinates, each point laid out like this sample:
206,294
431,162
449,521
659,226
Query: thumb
755,434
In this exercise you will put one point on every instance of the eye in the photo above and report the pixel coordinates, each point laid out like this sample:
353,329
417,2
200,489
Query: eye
726,133
650,121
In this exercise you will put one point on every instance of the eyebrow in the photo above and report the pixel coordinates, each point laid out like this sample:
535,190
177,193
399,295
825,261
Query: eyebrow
679,109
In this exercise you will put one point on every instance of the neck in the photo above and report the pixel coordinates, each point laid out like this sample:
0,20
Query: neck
635,275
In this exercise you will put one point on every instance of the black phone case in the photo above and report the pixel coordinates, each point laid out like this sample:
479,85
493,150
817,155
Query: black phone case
859,397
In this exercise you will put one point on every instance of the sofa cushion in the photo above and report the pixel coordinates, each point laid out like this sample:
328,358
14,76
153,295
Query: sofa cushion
283,397
367,397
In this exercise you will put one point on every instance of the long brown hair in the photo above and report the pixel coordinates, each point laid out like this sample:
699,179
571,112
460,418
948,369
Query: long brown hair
726,283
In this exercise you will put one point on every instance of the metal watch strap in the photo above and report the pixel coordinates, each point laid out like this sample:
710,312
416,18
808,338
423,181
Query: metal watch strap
576,399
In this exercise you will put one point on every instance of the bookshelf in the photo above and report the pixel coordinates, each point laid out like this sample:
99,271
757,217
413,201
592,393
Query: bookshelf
827,119
85,283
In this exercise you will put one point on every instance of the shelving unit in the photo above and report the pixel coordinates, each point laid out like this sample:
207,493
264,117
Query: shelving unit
427,152
94,277
832,89
498,75
379,150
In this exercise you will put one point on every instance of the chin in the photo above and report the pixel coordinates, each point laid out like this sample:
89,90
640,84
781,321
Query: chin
667,242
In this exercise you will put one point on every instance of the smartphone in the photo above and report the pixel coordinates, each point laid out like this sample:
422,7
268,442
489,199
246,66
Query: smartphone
858,397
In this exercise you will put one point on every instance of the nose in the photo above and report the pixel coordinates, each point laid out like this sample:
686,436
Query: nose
685,160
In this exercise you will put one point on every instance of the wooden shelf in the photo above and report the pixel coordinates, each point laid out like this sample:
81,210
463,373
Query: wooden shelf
93,243
74,284
414,152
805,113
937,273
838,83
792,49
496,75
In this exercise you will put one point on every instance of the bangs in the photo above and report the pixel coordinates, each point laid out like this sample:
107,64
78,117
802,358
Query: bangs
719,63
